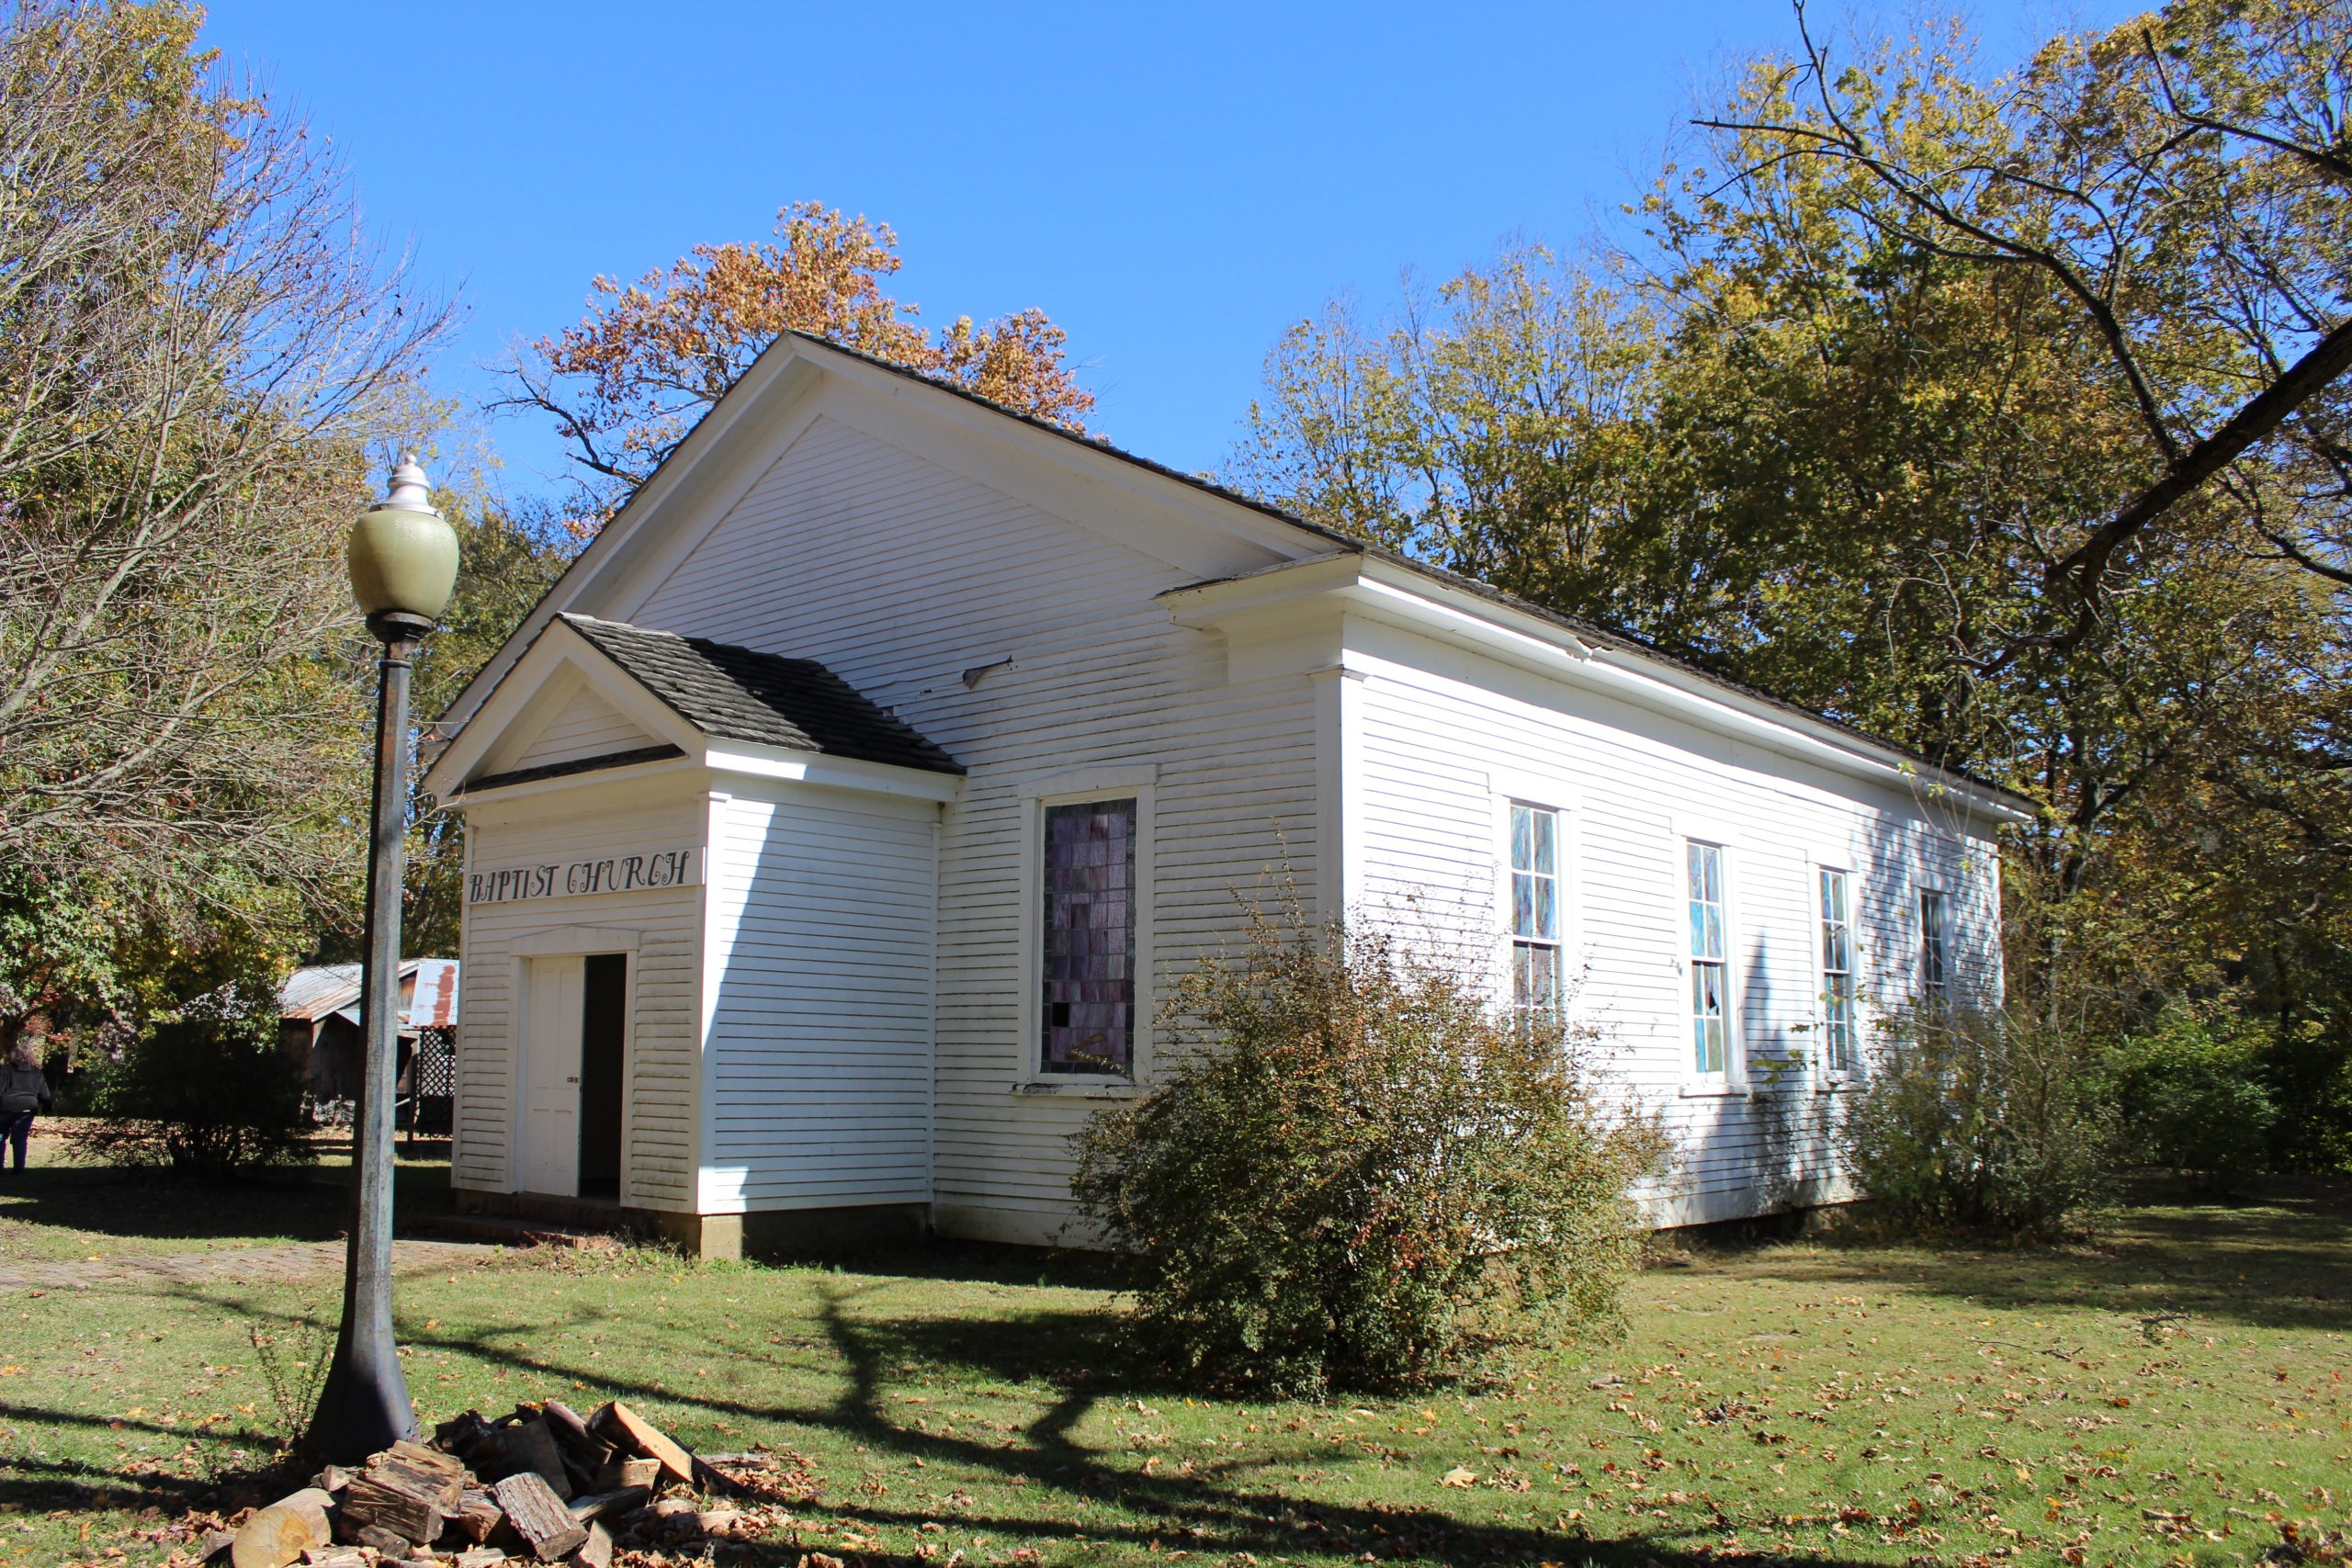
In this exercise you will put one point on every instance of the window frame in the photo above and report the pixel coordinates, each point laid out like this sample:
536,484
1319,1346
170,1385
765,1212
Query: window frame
1509,872
1539,792
1828,1073
1936,995
1733,1079
1079,786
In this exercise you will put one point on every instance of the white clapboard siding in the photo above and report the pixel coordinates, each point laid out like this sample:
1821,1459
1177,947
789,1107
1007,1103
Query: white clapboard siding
1442,733
585,726
900,575
818,1067
659,1103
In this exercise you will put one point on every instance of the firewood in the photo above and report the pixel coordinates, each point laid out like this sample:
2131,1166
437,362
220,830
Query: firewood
573,1433
431,1460
527,1446
624,1472
479,1557
460,1435
476,1515
386,1543
333,1478
538,1515
334,1557
644,1438
377,1501
618,1501
279,1534
596,1551
392,1473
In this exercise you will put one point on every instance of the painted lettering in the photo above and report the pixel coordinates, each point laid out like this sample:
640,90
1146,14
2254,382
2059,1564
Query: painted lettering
607,873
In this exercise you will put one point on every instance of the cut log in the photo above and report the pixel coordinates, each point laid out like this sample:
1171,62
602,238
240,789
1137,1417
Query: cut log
389,1472
386,1543
596,1551
538,1515
635,1432
418,1457
527,1446
476,1515
386,1505
279,1534
334,1557
645,1473
573,1433
618,1501
479,1557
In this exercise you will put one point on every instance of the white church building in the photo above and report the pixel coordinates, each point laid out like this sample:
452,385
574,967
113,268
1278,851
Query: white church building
834,825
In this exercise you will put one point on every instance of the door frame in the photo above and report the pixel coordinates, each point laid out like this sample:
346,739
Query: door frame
567,941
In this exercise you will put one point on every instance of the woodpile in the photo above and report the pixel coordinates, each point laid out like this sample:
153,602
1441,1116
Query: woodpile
542,1485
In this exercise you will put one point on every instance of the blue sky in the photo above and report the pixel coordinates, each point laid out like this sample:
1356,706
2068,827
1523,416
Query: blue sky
1173,183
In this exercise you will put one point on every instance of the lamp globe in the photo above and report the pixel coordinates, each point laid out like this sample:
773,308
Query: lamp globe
403,557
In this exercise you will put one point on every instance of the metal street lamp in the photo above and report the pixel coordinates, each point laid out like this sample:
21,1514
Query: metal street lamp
403,560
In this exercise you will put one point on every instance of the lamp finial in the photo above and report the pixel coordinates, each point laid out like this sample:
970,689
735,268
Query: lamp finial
411,491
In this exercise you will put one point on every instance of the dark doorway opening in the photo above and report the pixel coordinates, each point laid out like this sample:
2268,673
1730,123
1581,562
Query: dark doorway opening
603,1016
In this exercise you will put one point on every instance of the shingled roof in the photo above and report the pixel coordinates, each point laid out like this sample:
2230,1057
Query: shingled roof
739,694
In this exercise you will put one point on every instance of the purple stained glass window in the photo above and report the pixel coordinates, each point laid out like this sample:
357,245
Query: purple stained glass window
1088,1007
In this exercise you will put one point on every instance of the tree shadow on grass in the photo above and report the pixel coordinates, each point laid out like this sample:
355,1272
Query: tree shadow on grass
299,1204
2284,1261
894,1371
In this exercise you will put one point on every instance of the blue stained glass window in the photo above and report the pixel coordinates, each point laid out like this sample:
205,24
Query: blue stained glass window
1840,1036
1534,908
1709,968
1087,1005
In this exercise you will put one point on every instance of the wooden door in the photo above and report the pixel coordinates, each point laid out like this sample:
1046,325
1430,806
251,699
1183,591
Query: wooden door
551,1075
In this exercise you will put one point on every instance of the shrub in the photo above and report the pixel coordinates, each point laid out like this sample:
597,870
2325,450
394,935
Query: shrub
208,1093
2191,1096
1353,1174
1981,1121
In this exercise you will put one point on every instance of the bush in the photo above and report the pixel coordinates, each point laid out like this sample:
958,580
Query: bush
1352,1174
1981,1121
208,1093
2191,1096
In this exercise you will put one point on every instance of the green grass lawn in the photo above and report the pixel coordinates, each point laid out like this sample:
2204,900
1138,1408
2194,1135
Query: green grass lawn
2173,1395
67,1211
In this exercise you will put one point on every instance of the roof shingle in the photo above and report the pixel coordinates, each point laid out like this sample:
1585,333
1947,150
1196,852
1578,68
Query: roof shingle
737,693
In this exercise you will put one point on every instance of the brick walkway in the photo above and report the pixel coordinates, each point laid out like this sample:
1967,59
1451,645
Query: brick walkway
296,1260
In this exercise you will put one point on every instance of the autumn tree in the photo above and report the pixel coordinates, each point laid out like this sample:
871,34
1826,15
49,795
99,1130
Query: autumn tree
197,348
1796,431
628,381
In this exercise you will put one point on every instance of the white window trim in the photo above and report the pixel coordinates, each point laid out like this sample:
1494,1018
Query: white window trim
1510,790
1732,1080
1073,786
1826,1077
1915,922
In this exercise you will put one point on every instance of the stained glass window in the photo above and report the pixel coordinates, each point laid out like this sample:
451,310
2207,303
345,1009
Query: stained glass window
1840,1045
1088,1009
1534,908
1709,968
1935,946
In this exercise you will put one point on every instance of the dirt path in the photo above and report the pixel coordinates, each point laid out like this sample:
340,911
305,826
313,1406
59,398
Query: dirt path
293,1260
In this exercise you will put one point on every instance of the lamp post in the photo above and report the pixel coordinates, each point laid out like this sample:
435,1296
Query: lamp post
403,560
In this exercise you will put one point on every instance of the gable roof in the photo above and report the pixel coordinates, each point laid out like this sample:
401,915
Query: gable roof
739,694
1320,540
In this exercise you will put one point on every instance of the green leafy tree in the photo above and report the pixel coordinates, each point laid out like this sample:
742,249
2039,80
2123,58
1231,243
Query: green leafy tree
194,352
2059,502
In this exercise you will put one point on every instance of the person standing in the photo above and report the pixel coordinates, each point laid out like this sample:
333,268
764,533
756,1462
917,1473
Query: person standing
23,1091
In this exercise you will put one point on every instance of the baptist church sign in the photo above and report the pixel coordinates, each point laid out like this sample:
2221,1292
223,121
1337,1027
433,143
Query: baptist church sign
606,873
